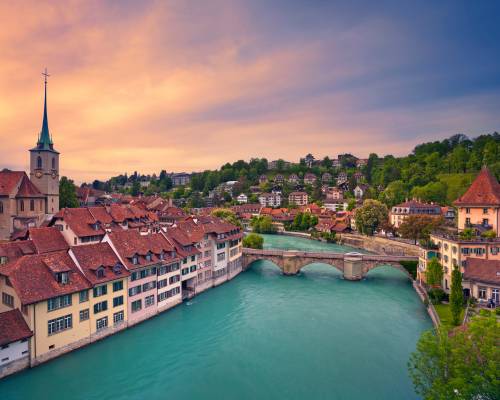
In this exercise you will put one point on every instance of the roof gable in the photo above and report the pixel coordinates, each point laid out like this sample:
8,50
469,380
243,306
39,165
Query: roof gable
485,190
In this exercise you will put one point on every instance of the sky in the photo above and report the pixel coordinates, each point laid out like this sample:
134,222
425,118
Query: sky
190,85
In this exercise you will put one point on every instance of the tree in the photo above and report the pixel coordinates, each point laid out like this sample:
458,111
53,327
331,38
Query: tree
227,215
136,188
456,295
253,241
351,205
370,216
418,226
67,193
434,272
394,193
461,364
262,224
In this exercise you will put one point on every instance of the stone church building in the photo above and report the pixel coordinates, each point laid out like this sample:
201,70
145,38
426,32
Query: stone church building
28,202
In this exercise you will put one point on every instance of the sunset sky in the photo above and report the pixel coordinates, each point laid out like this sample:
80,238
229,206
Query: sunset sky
189,85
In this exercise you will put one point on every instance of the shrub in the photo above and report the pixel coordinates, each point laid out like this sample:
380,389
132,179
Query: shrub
436,295
253,241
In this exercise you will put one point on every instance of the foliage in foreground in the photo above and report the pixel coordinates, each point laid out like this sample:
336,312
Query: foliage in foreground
370,216
458,364
456,295
253,241
434,273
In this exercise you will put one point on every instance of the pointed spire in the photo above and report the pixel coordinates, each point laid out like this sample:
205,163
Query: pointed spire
44,139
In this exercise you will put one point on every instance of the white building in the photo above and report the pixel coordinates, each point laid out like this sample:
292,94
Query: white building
242,198
14,335
270,199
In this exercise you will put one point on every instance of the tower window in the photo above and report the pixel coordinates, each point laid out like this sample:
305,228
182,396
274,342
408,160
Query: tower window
53,163
1,207
32,205
22,205
39,162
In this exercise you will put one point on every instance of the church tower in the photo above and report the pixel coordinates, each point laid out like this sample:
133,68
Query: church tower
44,163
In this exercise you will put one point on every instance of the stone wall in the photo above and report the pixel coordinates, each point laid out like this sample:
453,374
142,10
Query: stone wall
379,245
14,366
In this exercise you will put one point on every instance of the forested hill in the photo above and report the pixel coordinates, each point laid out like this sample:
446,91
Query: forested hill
436,171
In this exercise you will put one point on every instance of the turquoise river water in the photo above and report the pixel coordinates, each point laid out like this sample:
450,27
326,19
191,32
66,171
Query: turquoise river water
261,336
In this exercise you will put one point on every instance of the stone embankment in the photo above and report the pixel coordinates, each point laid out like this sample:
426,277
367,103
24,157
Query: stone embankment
379,245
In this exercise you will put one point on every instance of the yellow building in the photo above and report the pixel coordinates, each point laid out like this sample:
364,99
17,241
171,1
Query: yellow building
478,210
107,299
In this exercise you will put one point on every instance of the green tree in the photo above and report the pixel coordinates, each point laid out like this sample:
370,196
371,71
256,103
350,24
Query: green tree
434,272
394,193
370,216
136,188
432,192
67,193
458,365
418,226
351,205
262,224
227,215
456,295
253,241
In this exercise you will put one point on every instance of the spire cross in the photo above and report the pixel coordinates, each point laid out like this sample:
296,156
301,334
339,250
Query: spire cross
46,75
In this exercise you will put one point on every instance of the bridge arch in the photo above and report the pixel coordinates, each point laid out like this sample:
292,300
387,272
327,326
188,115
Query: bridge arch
276,263
371,266
329,263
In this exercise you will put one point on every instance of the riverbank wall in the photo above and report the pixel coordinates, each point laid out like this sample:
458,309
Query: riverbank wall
379,245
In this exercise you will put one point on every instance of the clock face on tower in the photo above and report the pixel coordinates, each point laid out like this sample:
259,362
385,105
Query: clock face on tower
38,174
54,174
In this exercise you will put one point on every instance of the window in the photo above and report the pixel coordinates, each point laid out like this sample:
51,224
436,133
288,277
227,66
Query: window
485,211
118,301
99,307
84,296
32,205
193,258
101,323
84,315
149,301
149,286
148,257
163,283
62,277
467,221
135,290
192,268
174,279
58,302
39,162
100,272
1,207
135,260
118,285
185,271
134,276
486,221
60,324
100,290
136,305
221,245
467,210
221,257
482,293
22,205
8,300
184,260
53,163
118,317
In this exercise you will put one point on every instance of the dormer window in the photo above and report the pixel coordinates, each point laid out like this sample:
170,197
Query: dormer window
117,269
100,272
135,260
96,226
62,277
3,260
148,256
162,255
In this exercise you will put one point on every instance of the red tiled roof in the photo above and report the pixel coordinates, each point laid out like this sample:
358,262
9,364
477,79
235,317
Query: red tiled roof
100,214
47,240
15,250
487,271
27,188
9,180
13,327
94,256
130,242
80,221
33,279
485,190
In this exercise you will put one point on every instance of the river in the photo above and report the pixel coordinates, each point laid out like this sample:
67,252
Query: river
261,336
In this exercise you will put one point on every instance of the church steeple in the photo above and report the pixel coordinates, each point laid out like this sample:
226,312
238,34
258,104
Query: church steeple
44,139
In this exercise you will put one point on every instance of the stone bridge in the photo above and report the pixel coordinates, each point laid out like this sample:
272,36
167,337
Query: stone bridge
354,266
